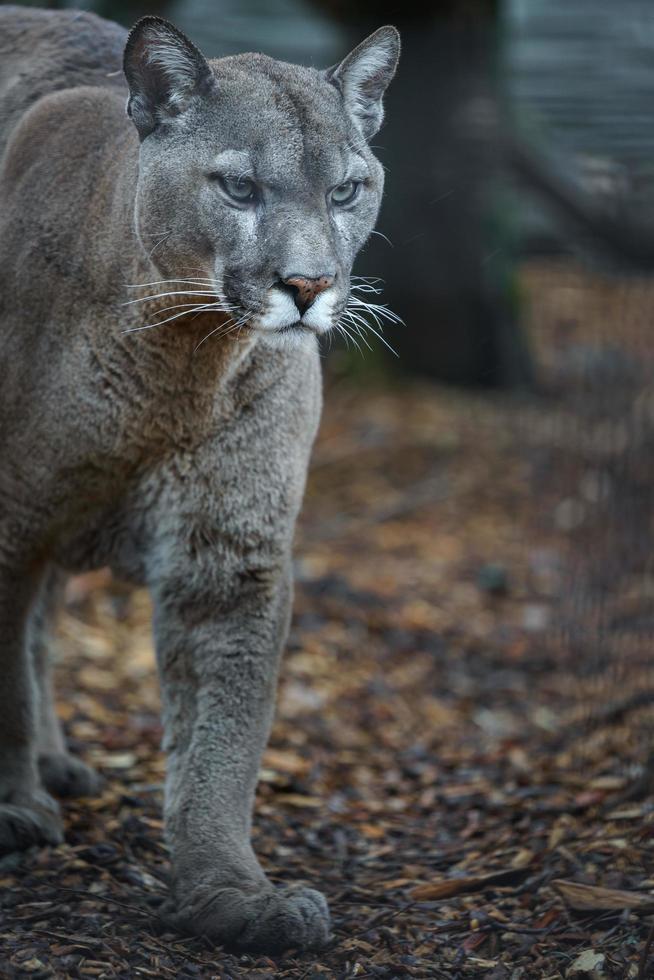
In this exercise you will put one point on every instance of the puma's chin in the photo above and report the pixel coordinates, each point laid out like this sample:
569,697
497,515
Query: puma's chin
291,336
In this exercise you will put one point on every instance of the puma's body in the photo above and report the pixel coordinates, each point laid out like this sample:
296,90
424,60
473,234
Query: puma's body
90,417
181,467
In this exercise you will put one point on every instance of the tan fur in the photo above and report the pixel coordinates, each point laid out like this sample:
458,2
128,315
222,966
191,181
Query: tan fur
175,457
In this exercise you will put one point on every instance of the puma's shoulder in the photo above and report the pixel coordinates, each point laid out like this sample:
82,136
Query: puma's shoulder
59,132
44,52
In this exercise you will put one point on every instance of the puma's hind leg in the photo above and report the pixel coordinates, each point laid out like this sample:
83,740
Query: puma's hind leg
28,814
61,773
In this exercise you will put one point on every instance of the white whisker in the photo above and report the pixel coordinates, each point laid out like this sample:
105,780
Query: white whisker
174,292
354,340
192,307
343,332
377,310
227,329
160,323
163,282
366,288
381,337
361,334
382,235
165,237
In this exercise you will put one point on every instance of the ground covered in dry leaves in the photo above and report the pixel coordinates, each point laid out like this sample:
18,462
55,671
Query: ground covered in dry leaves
465,707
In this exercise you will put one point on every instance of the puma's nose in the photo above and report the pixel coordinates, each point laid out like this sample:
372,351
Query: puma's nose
305,290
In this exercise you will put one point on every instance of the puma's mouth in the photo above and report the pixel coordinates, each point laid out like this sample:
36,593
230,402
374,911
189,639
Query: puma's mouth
297,326
285,336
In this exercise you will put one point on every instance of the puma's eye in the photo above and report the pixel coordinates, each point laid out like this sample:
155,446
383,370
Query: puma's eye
240,189
345,193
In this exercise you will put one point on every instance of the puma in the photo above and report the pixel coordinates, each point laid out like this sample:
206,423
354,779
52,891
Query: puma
166,273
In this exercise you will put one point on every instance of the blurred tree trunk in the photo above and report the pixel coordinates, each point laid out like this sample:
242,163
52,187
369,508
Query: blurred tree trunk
450,271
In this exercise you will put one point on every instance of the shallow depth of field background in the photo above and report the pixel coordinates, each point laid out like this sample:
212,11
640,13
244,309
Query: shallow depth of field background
462,753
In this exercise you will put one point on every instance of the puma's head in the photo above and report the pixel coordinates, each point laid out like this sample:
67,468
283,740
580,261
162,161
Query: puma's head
255,176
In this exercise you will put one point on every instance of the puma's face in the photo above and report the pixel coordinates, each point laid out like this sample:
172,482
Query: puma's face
256,182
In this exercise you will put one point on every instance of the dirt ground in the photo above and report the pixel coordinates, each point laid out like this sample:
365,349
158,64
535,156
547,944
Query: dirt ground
466,704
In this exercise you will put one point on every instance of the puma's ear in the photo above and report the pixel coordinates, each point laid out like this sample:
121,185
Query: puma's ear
364,75
163,70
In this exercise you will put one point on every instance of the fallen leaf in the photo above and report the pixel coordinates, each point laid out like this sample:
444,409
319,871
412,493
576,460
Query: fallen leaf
523,858
589,898
371,830
632,813
396,883
436,890
588,964
286,762
588,798
474,941
296,799
545,920
118,760
608,783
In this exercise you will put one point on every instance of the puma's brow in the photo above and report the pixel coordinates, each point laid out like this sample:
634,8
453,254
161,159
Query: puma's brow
357,167
359,174
239,163
234,162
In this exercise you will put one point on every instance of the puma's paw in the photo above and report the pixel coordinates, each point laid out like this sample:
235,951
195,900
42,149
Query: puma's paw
28,823
269,921
65,775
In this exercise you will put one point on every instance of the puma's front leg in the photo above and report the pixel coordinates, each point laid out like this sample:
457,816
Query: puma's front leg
218,651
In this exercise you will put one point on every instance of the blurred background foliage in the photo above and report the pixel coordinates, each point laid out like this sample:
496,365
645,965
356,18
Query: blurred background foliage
574,78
